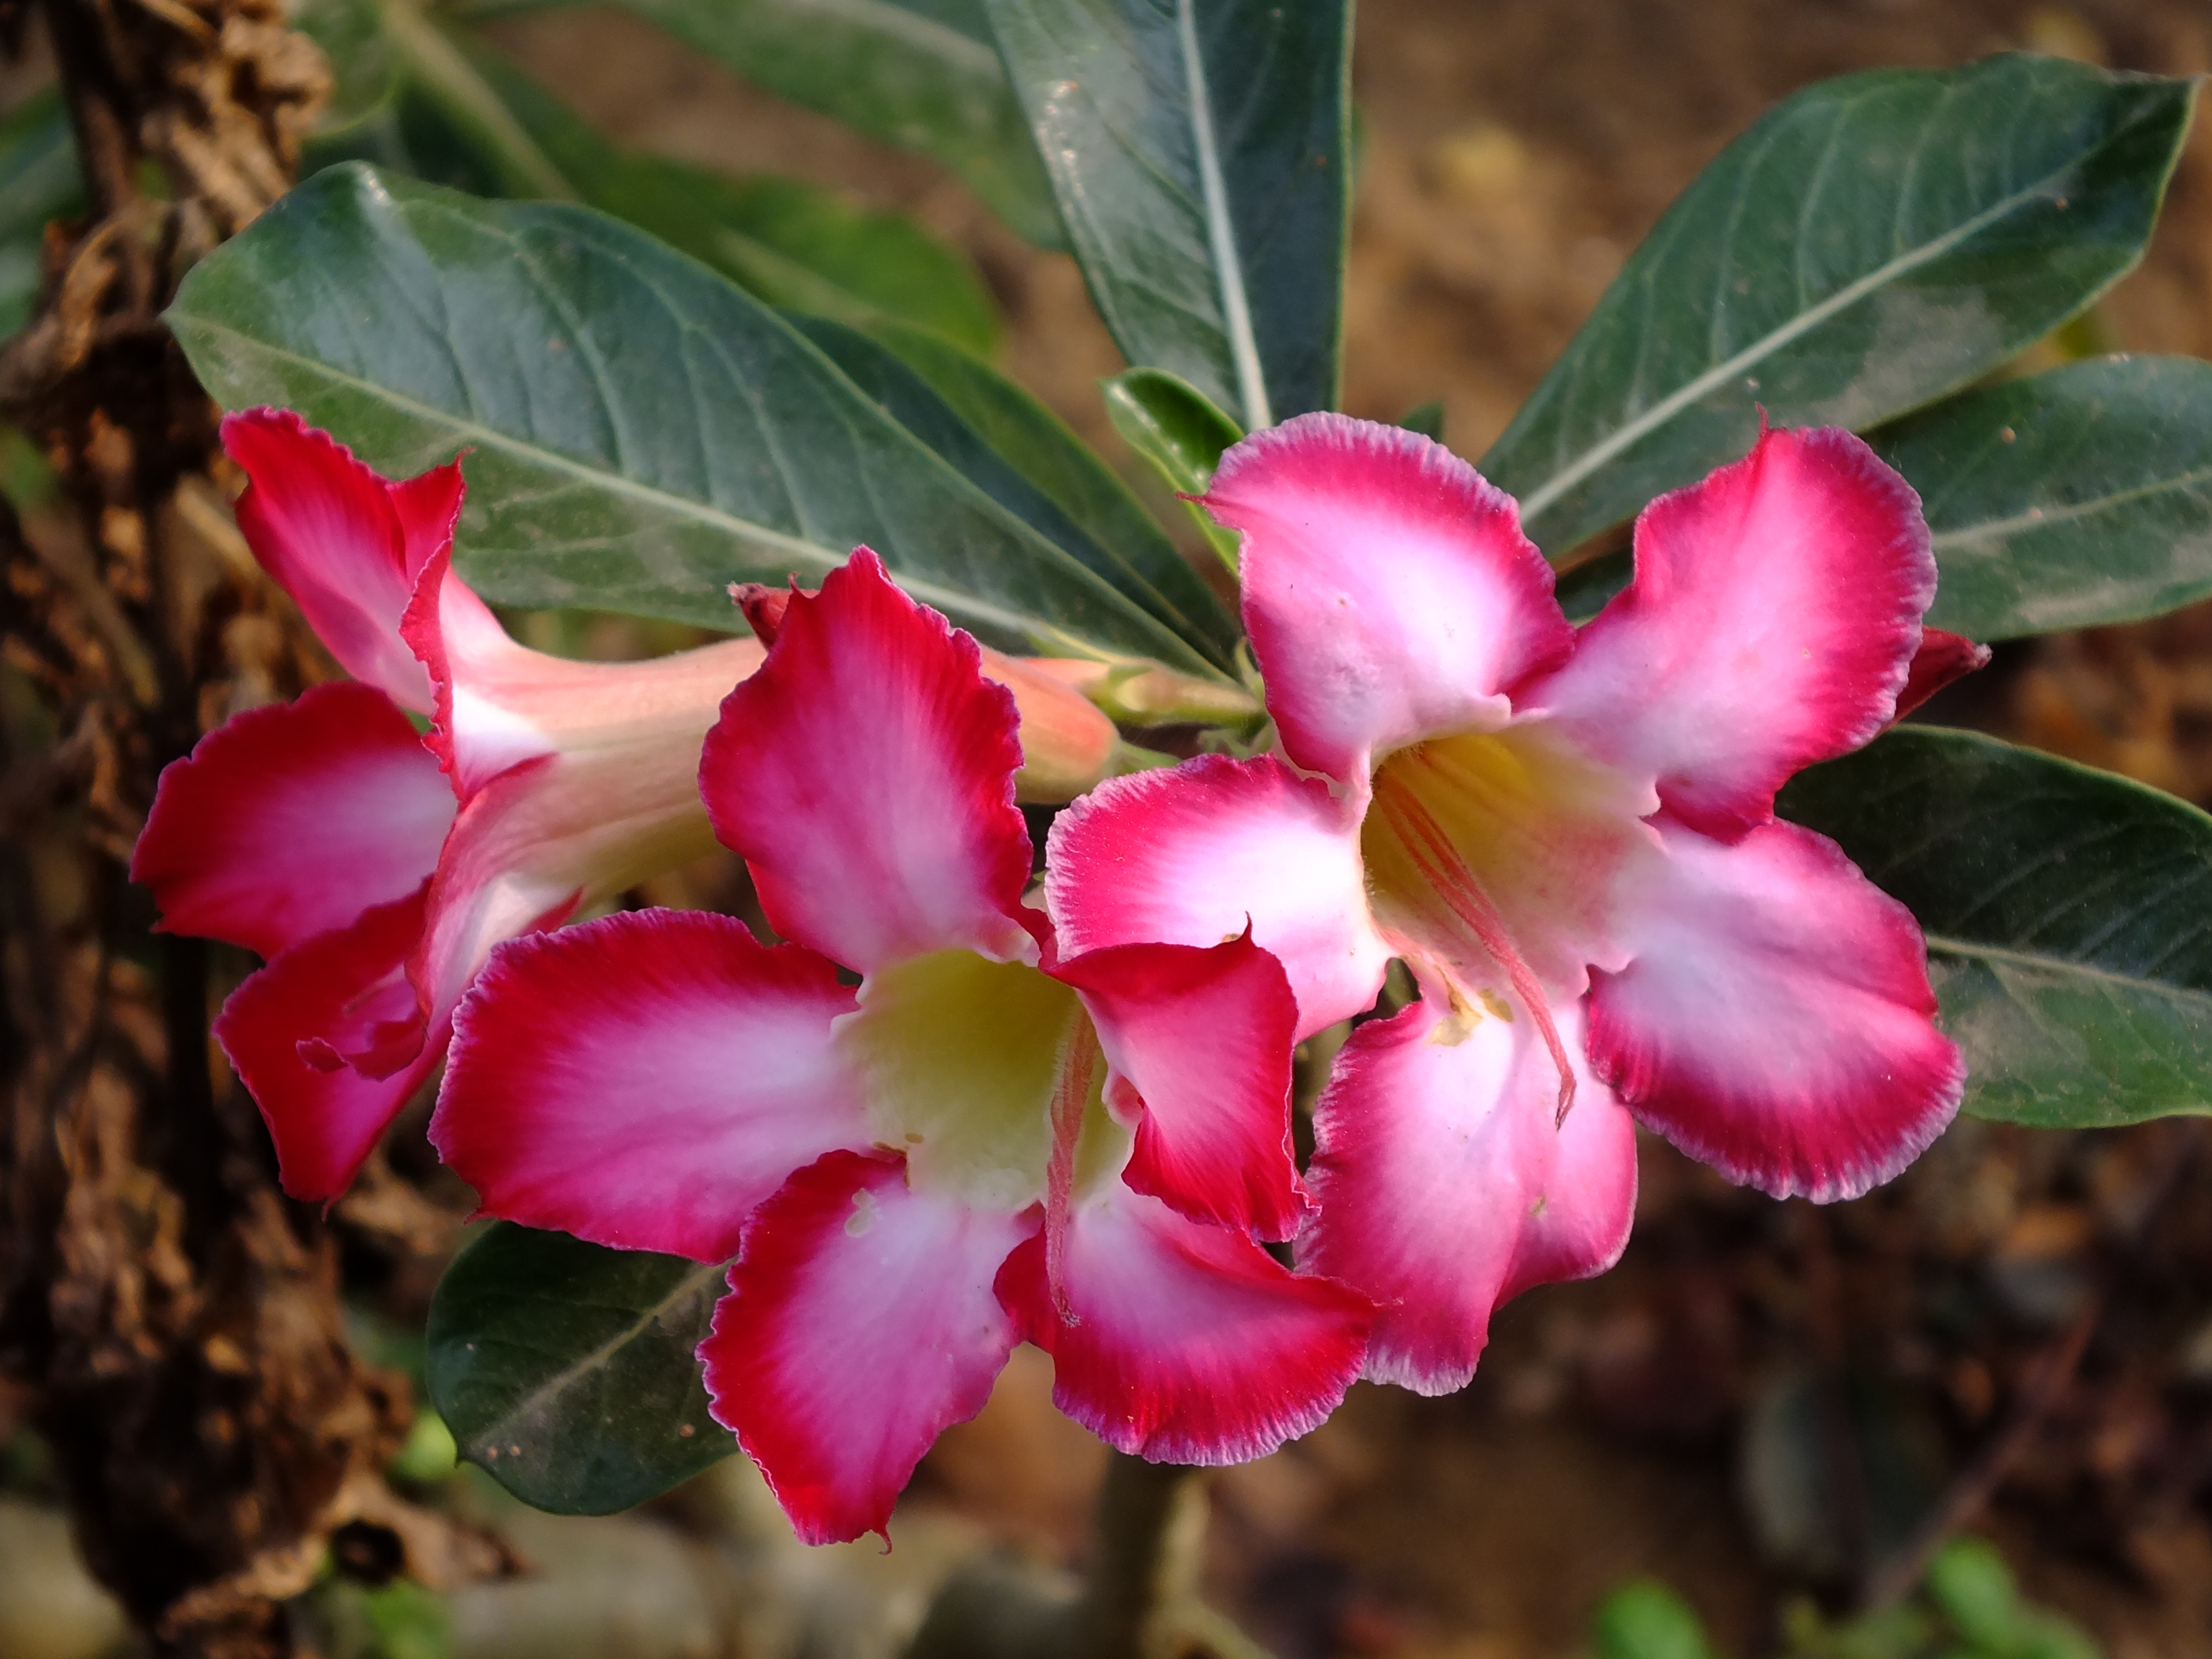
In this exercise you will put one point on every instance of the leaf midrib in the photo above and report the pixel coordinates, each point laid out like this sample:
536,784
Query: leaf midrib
1221,236
2043,517
1624,437
526,1405
2009,957
806,555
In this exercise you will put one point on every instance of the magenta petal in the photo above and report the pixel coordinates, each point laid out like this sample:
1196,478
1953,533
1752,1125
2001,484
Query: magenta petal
645,1080
1775,1020
865,774
1195,854
860,1324
1191,1344
1941,658
1443,1185
1389,590
1775,610
345,542
288,821
1200,1044
288,1029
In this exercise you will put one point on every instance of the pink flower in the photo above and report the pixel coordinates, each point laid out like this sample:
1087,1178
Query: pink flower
373,867
1569,838
983,1141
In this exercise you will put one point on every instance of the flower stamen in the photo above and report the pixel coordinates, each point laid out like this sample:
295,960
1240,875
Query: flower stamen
1079,1056
1440,864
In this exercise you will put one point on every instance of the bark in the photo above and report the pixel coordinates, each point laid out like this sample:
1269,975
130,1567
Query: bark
175,1321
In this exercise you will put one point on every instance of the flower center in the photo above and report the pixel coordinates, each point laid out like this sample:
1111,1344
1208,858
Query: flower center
1496,856
987,1075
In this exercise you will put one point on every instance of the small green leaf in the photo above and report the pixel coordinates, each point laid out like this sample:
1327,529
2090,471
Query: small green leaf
1178,430
2068,499
2069,917
1645,1619
1150,573
38,182
644,432
1200,152
1872,243
1971,1582
568,1372
919,74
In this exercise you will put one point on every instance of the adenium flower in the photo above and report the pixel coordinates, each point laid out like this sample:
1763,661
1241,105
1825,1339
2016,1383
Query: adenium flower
983,1141
374,866
1569,838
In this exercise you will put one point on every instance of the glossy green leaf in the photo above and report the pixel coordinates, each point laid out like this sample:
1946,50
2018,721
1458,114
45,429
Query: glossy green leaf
38,182
643,432
1175,428
1142,563
462,116
2069,914
919,74
1199,150
568,1372
2067,499
1871,244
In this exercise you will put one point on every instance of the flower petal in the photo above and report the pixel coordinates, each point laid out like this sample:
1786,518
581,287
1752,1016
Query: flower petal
1775,610
1443,1185
1196,854
865,774
1191,1344
288,821
288,1028
645,1080
343,541
860,1324
1941,658
1199,1041
1776,1020
1388,588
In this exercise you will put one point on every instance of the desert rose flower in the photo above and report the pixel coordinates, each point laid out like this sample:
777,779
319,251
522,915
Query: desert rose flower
982,1141
1569,838
373,866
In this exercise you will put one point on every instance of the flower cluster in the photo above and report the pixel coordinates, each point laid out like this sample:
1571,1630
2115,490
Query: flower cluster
949,1111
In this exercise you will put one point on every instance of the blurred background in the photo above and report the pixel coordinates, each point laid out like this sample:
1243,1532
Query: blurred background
1779,1411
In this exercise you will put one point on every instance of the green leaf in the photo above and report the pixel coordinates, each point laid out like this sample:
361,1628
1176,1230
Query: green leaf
1428,420
38,182
1146,568
1177,429
1199,150
2067,499
567,1371
919,74
464,117
1645,1619
2069,914
643,432
1871,244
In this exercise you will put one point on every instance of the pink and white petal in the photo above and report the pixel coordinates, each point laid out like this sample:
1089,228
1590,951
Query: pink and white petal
429,507
325,529
1389,592
288,821
1190,1343
865,774
1776,1021
1195,854
645,1080
1775,611
860,1324
287,1029
462,647
1942,658
1438,1161
1197,1042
